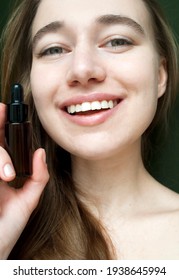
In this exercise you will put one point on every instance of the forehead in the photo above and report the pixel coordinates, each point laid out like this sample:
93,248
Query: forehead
81,13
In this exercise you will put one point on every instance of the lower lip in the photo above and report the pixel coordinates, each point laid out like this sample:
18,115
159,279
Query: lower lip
92,119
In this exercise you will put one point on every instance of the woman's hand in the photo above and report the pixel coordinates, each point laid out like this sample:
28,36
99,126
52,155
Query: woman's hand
16,205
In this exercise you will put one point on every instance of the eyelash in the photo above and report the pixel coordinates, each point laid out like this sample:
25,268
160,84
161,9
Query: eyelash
118,43
121,42
52,51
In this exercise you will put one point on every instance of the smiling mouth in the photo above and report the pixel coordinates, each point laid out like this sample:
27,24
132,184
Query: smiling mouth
86,108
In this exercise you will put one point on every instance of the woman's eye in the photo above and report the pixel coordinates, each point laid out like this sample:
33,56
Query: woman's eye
53,51
118,42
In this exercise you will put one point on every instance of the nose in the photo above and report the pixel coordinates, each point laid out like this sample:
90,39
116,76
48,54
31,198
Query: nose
85,69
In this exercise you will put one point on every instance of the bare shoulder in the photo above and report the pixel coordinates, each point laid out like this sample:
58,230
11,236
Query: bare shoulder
168,214
170,199
164,203
160,223
164,198
171,224
151,232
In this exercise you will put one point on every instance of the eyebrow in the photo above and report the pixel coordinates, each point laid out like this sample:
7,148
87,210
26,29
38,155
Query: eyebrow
119,19
110,19
52,27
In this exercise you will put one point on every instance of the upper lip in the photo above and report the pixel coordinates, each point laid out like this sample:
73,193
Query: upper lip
90,98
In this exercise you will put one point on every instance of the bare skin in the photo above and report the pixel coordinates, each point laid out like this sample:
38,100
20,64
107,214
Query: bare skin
141,227
140,215
85,58
142,219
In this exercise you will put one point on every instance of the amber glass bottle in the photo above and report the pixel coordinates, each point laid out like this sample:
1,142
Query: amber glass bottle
18,133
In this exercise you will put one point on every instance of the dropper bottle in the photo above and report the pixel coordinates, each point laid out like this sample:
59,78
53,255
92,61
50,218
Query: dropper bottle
18,133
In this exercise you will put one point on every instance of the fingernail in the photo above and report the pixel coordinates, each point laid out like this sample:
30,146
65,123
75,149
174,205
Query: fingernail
44,156
9,170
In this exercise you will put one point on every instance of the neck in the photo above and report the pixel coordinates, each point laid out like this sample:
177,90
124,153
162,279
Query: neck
112,182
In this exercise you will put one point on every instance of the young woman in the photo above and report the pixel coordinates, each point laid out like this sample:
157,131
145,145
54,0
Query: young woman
98,77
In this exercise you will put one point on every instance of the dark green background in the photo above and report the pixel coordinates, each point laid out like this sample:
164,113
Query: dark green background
165,160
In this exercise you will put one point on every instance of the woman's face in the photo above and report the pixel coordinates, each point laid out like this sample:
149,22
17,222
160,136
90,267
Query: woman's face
96,76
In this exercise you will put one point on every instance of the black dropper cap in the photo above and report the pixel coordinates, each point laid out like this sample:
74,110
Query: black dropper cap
17,110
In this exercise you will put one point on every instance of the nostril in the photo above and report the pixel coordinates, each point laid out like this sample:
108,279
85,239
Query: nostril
84,71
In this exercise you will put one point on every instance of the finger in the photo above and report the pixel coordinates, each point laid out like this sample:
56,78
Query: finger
7,172
35,185
2,123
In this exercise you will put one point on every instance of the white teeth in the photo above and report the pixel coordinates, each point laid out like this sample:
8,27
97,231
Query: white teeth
104,104
111,104
72,109
86,106
91,106
96,105
78,108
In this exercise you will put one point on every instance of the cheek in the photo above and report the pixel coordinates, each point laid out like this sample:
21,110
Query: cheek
136,68
138,75
44,81
41,91
45,85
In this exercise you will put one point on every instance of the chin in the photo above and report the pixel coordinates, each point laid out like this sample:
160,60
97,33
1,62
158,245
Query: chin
94,154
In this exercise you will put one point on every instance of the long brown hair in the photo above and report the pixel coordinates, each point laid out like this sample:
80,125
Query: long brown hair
167,48
61,227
